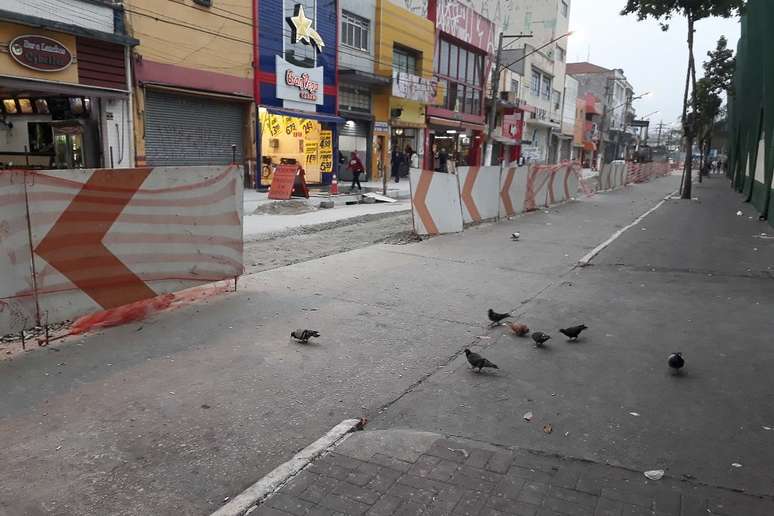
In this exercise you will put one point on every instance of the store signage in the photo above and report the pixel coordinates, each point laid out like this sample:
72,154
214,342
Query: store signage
40,53
412,87
299,84
513,127
302,31
465,24
381,127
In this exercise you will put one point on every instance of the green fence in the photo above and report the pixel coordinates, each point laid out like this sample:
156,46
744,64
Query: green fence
751,109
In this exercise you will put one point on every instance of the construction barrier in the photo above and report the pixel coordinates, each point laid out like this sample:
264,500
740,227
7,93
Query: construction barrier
643,172
513,190
435,202
479,187
81,241
612,176
564,183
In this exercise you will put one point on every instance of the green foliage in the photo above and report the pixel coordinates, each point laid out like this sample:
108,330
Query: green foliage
706,107
697,9
720,67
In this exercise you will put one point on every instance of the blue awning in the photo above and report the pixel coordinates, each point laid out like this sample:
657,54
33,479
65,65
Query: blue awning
320,117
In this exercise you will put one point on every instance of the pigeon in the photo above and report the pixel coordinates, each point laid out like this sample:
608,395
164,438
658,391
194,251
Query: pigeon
573,332
540,338
676,362
304,335
519,329
515,236
477,361
497,318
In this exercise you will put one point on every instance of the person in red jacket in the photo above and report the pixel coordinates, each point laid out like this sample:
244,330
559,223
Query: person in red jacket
356,167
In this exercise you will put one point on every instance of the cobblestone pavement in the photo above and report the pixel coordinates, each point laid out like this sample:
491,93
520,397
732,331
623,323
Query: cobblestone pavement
402,472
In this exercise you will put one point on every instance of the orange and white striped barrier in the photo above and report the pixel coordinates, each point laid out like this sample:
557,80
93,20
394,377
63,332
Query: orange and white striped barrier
612,176
435,202
513,190
93,240
564,183
479,187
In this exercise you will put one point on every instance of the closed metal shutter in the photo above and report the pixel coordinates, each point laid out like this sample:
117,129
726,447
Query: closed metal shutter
190,130
359,129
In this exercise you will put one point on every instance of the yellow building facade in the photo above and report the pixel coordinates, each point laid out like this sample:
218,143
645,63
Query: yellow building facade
405,46
193,94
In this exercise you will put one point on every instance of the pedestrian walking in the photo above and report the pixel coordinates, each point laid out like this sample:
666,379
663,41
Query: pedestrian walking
412,157
397,159
443,160
356,167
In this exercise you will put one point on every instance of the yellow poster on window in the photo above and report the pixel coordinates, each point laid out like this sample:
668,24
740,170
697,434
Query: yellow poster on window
326,152
311,148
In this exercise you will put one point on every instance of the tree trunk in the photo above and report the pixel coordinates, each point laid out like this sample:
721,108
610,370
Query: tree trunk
689,131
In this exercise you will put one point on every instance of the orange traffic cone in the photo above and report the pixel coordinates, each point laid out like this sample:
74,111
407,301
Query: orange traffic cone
334,185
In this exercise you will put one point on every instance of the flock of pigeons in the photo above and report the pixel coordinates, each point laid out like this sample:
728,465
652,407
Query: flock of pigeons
675,360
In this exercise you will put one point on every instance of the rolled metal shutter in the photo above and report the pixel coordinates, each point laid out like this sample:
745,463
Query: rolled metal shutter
191,130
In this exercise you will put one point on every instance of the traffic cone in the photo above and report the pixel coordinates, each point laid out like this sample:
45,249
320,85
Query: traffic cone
334,185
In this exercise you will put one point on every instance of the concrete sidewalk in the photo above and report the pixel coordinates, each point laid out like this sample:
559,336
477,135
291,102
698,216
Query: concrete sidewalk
404,472
173,414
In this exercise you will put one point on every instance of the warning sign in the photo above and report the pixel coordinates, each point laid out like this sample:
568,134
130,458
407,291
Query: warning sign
288,181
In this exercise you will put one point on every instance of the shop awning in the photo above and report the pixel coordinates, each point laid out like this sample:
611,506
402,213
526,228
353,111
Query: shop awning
456,124
348,76
11,85
320,117
504,140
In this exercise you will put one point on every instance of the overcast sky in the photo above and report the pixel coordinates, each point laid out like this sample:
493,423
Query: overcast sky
652,60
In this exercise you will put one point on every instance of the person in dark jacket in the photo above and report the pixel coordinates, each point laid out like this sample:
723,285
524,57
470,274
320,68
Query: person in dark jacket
356,167
397,160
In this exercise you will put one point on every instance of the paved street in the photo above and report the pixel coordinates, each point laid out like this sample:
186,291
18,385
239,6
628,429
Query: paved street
174,414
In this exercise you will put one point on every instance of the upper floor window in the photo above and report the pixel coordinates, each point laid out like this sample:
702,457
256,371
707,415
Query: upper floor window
557,100
561,54
355,31
404,60
565,8
535,86
547,87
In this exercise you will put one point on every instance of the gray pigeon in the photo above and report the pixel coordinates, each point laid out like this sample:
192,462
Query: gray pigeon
477,361
304,335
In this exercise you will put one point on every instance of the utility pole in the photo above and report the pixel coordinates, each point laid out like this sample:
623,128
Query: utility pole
660,127
494,99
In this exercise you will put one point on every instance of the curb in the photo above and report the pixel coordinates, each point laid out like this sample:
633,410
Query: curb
280,475
586,260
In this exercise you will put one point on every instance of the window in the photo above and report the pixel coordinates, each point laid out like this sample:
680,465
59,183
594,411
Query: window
461,73
353,99
565,8
557,100
355,31
203,3
404,60
561,54
515,87
535,87
443,67
298,53
546,87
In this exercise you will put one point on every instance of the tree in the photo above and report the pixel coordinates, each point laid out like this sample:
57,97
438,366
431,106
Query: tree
705,104
720,67
693,10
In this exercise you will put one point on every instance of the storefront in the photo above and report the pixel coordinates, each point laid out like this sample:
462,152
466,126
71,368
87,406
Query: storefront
59,110
462,62
296,89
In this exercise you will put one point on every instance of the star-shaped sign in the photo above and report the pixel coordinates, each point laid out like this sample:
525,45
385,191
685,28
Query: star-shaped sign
302,29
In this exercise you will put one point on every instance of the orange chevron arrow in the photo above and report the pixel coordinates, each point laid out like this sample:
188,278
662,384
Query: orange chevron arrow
505,193
74,245
420,202
467,193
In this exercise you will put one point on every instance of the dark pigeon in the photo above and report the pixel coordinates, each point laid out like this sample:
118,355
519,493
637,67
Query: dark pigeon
477,361
676,362
495,317
540,338
573,332
304,335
